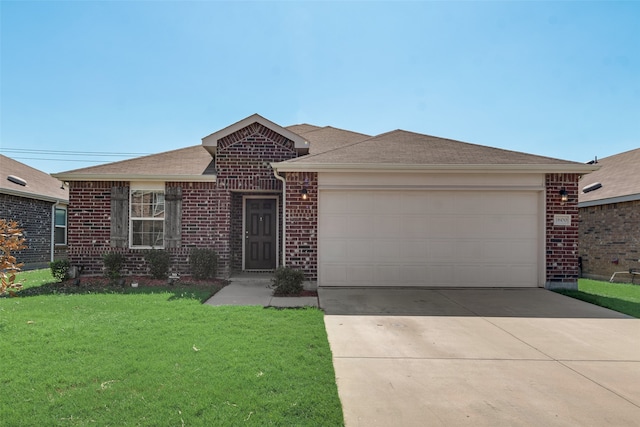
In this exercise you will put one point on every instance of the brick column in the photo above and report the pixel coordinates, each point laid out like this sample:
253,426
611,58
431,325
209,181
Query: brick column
561,240
301,246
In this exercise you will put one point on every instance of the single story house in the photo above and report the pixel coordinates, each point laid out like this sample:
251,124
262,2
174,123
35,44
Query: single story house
38,202
348,209
609,209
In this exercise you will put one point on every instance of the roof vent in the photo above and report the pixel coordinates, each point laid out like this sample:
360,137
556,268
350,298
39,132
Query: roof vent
17,180
591,187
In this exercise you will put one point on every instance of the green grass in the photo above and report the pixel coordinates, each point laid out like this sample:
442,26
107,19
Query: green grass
33,278
621,297
162,359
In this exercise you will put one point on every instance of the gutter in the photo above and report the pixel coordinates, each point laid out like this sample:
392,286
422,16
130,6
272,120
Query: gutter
284,215
131,177
439,168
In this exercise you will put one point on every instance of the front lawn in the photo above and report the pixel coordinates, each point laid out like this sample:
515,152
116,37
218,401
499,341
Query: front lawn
162,359
621,297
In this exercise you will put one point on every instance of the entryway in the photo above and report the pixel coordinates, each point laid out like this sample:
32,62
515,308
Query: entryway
260,225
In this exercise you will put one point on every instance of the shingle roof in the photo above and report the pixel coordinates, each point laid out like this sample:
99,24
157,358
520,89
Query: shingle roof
326,138
302,128
188,161
620,178
402,147
329,146
40,185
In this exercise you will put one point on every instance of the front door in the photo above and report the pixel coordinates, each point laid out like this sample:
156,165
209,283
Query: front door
260,234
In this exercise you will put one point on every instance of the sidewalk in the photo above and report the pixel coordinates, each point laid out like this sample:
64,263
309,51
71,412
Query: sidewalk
254,290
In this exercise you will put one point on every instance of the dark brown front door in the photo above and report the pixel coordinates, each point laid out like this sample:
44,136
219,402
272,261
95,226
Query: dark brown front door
260,234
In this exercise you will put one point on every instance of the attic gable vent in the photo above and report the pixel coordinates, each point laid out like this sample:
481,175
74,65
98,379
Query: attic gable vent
17,180
591,187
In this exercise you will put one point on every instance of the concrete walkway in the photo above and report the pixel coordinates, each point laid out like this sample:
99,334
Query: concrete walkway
529,357
254,290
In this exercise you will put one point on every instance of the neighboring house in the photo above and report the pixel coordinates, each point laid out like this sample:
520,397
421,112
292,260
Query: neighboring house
38,202
397,209
609,207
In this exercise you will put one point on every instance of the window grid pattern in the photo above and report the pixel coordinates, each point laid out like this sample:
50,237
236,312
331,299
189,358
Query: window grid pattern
147,218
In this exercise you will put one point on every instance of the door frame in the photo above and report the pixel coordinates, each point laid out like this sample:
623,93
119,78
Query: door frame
244,226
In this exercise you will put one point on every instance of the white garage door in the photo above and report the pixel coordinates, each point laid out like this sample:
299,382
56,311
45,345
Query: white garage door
429,238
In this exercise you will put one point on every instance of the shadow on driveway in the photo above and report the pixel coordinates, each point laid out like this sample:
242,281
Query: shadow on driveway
529,302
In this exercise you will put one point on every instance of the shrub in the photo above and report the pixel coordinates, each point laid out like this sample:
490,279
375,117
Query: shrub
113,263
60,269
287,281
159,261
204,263
10,240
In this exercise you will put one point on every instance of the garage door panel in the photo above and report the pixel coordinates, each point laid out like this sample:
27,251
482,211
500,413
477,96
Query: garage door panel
414,251
441,250
335,249
429,238
359,225
359,250
333,225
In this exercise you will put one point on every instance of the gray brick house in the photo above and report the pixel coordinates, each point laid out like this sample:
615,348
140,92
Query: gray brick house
609,209
38,202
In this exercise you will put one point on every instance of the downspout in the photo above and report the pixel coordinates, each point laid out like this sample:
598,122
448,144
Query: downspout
284,215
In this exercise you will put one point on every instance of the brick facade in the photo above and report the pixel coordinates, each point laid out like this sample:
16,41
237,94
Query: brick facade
561,240
302,223
610,239
211,211
35,218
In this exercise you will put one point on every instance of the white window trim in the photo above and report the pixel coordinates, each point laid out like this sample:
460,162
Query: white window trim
145,186
65,226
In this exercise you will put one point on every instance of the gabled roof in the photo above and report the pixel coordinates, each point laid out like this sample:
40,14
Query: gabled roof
408,150
39,185
210,142
326,138
619,176
189,164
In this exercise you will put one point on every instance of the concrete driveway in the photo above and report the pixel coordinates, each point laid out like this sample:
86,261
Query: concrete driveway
419,357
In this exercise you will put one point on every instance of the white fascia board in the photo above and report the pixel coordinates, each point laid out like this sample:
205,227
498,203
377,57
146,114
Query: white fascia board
398,168
212,139
114,177
34,196
610,201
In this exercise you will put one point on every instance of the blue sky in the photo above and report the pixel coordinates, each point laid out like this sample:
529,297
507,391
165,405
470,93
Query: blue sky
560,79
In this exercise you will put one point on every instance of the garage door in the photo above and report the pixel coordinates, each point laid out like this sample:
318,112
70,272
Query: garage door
428,238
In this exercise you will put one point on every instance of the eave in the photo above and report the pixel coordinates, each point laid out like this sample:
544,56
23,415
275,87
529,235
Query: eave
133,177
441,168
610,200
27,195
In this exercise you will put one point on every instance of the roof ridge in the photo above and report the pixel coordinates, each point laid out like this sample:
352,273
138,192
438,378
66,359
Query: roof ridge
306,156
457,141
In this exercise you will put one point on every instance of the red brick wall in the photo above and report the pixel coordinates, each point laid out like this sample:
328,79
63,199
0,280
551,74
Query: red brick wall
561,241
610,240
242,162
302,223
89,223
211,211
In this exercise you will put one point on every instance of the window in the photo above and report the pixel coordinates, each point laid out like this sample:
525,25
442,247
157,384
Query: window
147,218
60,227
